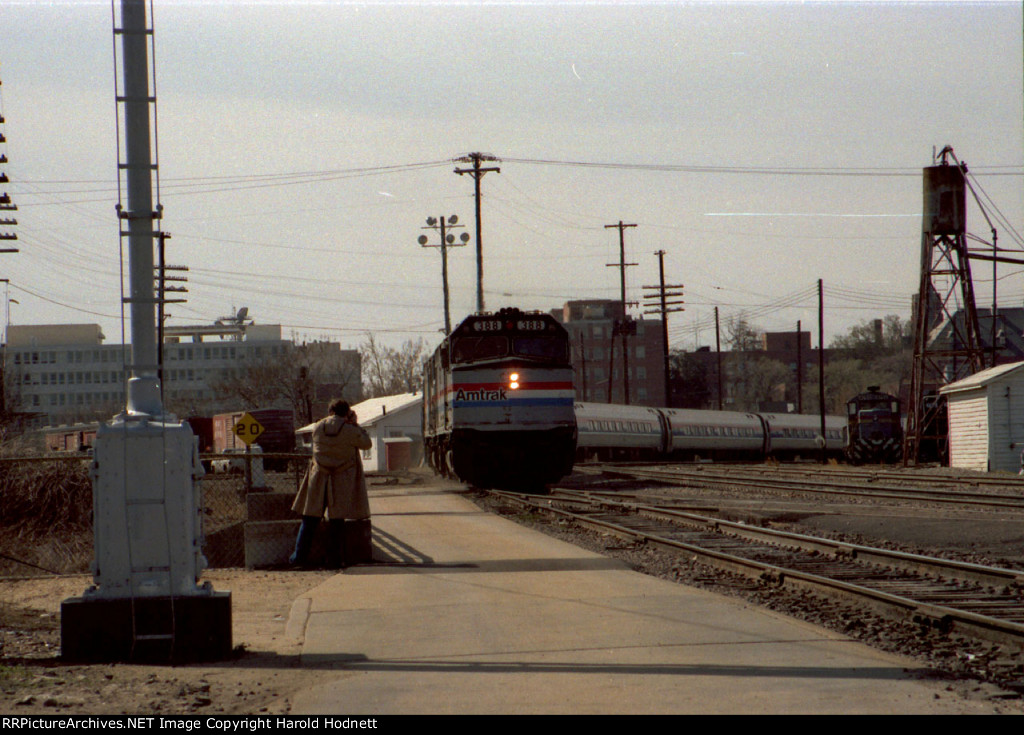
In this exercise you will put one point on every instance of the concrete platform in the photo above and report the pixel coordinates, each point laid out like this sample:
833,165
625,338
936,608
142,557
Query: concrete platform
466,612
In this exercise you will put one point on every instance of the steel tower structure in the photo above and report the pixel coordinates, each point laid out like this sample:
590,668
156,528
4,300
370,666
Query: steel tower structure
945,304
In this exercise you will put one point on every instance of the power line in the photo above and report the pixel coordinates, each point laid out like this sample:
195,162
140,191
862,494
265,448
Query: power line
746,170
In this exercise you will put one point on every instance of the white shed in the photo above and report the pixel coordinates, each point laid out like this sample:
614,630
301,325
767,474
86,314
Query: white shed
986,419
395,427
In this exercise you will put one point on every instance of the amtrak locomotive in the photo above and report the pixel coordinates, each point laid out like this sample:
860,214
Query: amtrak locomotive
498,402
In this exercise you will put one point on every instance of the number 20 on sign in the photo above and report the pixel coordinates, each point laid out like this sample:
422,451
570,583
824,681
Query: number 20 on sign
247,428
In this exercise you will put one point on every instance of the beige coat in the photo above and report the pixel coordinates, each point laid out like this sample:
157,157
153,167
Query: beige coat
334,481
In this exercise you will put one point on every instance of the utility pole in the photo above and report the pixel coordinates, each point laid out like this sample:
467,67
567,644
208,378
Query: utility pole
821,367
626,325
799,370
663,295
583,365
477,172
718,357
162,290
447,241
6,205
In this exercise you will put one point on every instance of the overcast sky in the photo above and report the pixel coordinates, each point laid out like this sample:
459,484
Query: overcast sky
303,144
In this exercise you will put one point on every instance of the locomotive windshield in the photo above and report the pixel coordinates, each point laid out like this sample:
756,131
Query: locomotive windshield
554,349
472,349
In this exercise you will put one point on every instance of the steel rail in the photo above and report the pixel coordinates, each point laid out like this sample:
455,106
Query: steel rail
965,571
844,471
943,617
845,474
872,475
718,479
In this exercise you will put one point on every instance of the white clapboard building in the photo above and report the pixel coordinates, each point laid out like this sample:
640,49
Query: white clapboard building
395,427
986,419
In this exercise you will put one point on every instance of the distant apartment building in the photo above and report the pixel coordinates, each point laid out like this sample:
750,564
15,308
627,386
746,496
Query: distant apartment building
65,373
595,334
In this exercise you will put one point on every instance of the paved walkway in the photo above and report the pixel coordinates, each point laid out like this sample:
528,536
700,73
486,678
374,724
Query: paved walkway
473,613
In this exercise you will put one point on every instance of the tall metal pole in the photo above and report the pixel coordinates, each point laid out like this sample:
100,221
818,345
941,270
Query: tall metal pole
146,516
143,387
477,173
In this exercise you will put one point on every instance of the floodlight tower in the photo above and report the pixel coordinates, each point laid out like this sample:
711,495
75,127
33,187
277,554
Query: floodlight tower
146,602
447,241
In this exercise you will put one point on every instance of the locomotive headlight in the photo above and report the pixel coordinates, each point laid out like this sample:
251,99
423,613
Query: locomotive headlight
513,381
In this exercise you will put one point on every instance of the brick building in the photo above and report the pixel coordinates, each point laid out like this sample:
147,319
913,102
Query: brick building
594,328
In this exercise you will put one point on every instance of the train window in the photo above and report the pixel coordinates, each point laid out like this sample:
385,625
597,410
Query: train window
548,348
471,349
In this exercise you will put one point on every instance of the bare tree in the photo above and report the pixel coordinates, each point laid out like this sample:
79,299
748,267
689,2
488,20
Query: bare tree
752,379
375,367
389,370
302,378
741,335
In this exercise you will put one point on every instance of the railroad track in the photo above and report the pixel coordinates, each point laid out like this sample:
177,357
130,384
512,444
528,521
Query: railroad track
954,598
831,486
907,476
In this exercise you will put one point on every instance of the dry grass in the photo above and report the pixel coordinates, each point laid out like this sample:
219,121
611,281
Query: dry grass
46,511
45,516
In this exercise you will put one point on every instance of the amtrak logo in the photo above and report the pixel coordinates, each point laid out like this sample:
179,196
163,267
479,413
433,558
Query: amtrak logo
481,395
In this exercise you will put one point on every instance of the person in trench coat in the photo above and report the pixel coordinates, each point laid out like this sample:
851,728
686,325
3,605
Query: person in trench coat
334,484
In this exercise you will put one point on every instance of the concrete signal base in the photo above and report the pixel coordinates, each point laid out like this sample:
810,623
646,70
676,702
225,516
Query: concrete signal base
165,629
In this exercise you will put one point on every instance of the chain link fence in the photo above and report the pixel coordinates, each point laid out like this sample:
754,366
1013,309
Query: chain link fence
46,511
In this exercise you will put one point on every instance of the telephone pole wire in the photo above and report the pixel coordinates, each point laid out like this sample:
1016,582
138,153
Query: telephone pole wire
477,172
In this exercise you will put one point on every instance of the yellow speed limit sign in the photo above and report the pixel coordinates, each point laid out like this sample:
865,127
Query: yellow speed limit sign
247,428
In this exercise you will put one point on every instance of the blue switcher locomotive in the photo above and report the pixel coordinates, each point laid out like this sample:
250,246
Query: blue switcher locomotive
498,402
875,428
